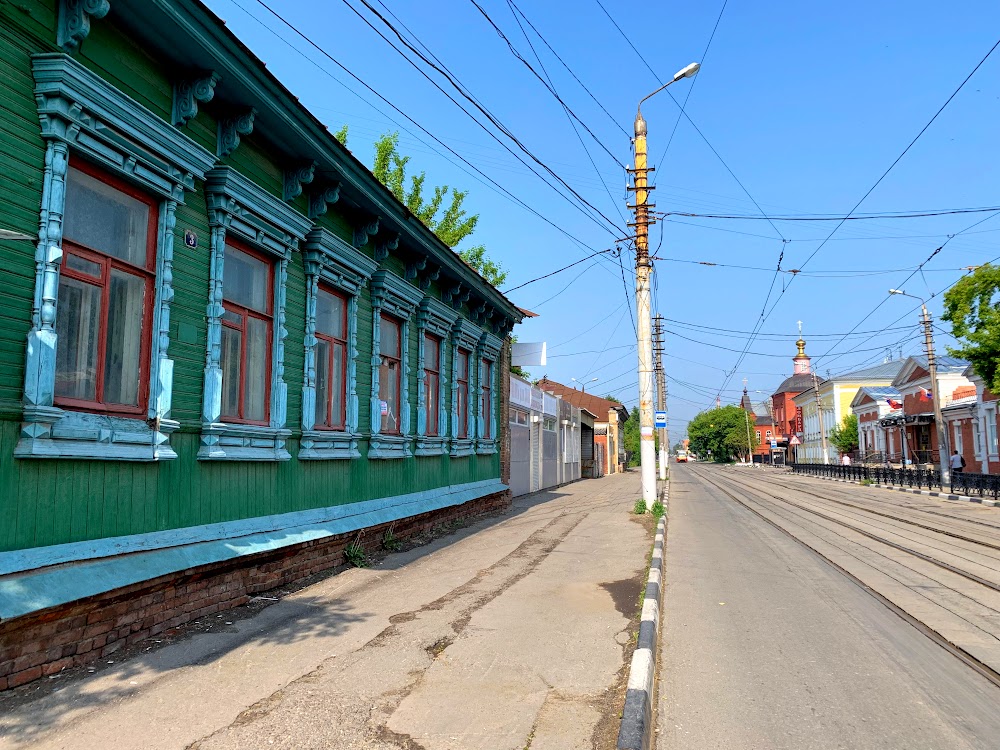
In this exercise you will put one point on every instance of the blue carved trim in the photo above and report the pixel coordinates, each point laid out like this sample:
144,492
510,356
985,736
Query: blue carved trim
462,447
366,230
188,93
320,200
389,446
55,433
38,579
431,446
74,21
297,177
455,294
431,275
436,318
230,130
466,336
239,206
79,108
329,444
340,264
385,248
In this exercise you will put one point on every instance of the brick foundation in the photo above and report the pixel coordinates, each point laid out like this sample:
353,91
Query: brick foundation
84,631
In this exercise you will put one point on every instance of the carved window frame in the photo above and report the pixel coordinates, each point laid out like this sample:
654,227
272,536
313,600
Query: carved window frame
393,296
240,209
437,319
464,335
339,265
82,115
488,349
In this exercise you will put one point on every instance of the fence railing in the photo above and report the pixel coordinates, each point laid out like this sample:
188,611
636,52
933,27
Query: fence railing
919,478
963,483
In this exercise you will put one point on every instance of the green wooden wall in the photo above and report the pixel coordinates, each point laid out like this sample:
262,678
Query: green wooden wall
45,502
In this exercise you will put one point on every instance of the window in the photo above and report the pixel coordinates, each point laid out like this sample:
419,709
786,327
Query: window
518,417
977,439
958,437
463,393
767,433
486,399
390,370
991,431
105,294
247,280
432,382
331,360
758,434
549,424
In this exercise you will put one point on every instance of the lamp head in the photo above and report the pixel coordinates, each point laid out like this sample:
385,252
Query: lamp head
896,291
687,72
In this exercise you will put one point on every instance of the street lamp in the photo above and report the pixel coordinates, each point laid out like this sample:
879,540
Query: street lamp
584,383
643,268
942,433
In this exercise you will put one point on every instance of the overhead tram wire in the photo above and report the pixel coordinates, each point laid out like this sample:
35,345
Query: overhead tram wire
584,333
483,177
453,81
553,273
566,109
840,218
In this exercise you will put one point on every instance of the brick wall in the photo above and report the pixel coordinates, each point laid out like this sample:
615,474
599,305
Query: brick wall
75,634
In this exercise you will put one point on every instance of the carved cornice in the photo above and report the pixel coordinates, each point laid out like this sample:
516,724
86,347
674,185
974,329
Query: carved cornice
414,267
385,247
456,295
365,229
435,317
336,261
230,130
432,275
321,200
296,177
74,21
394,295
189,92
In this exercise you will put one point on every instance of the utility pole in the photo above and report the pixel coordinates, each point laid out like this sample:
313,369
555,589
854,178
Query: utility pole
819,413
942,433
747,414
643,268
661,391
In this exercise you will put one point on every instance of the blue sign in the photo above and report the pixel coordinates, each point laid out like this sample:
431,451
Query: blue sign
660,419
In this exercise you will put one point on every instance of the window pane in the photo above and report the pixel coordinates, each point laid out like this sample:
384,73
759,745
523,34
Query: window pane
82,265
228,316
431,401
77,326
388,386
105,219
432,353
330,314
463,410
337,391
258,373
389,339
230,363
322,381
463,364
123,355
244,280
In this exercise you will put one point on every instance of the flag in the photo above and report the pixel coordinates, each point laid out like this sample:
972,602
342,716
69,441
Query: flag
894,404
926,395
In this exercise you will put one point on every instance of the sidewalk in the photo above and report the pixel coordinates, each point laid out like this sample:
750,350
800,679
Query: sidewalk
514,629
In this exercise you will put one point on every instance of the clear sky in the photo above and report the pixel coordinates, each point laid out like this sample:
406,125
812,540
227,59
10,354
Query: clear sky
807,104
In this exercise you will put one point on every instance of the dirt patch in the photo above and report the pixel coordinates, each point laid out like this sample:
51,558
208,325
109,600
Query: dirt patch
626,593
437,648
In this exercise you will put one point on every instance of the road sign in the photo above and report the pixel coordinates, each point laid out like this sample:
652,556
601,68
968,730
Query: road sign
774,444
795,440
660,419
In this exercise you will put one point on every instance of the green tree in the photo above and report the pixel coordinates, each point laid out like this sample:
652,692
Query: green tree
722,433
845,435
609,397
632,438
971,306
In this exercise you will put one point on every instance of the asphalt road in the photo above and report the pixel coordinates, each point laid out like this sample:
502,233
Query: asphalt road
515,632
766,645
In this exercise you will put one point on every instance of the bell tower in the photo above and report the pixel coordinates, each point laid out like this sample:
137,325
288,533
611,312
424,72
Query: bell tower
801,360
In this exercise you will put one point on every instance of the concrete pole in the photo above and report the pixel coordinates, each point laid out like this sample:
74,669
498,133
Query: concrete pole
943,450
661,393
819,413
647,452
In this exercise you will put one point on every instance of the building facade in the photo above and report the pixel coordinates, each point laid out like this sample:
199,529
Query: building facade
224,340
788,418
609,424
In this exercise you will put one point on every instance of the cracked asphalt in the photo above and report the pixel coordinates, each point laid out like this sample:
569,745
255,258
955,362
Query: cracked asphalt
512,633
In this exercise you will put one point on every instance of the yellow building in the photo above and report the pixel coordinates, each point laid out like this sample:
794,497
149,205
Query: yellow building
835,396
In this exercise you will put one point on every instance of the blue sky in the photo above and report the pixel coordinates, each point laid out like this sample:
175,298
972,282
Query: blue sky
807,104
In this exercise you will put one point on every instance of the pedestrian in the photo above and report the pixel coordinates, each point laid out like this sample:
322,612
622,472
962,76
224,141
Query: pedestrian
846,460
956,462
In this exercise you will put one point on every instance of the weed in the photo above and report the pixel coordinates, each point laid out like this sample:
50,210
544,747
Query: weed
640,507
866,482
391,542
658,509
355,554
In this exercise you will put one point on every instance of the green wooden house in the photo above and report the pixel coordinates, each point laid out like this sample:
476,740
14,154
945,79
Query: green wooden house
222,340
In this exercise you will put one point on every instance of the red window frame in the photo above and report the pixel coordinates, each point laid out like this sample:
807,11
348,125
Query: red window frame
108,263
486,404
432,384
398,359
462,379
340,423
268,318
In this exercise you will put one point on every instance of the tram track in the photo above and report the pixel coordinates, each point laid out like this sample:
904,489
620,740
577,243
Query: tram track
982,619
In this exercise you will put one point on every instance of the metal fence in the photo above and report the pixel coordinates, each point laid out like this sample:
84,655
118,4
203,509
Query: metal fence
962,483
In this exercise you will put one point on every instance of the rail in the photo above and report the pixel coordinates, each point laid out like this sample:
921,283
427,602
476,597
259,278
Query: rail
919,478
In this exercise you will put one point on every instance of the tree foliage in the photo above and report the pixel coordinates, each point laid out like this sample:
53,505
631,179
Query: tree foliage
971,306
845,435
632,437
723,434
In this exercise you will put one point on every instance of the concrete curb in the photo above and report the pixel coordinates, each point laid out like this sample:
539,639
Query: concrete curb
636,731
944,495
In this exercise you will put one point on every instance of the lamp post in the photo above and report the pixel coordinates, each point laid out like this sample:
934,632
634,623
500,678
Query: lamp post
643,268
584,383
942,433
